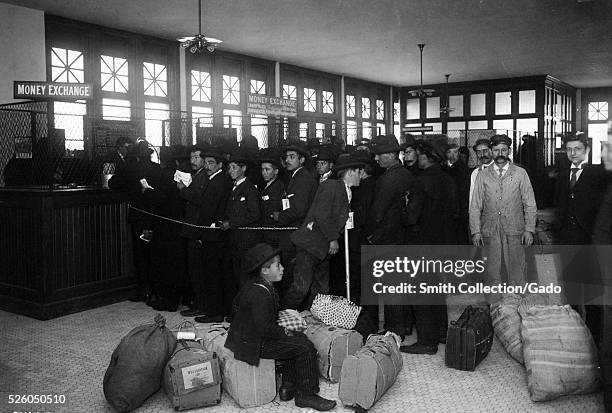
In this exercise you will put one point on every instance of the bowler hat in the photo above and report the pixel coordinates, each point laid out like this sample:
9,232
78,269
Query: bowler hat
240,157
213,152
497,139
299,147
142,149
385,144
363,142
326,154
346,161
270,155
258,256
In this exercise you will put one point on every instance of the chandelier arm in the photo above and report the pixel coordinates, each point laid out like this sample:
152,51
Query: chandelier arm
200,17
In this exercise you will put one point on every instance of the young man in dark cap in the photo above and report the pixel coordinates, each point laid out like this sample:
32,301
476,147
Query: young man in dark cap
272,191
410,155
324,163
317,238
503,214
255,334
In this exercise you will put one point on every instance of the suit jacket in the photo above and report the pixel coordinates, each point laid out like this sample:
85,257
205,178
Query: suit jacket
431,213
194,197
300,192
384,224
213,210
243,210
254,321
507,203
325,219
271,201
363,198
583,201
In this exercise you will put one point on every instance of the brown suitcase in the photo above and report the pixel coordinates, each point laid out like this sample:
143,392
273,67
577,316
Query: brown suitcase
469,339
192,377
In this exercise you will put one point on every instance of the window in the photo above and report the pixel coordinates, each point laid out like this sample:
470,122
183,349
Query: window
598,132
258,87
503,103
200,86
527,126
365,108
155,114
456,103
350,106
437,127
380,109
396,119
366,130
351,132
259,129
310,100
598,110
289,92
451,126
231,90
303,129
320,130
503,126
413,109
155,79
477,105
69,117
114,74
233,119
433,107
285,128
527,101
380,129
201,116
67,66
477,124
328,101
116,109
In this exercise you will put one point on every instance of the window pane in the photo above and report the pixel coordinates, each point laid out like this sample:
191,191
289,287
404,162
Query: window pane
477,104
433,107
380,129
201,116
200,86
599,133
396,130
437,127
328,101
503,126
155,79
413,109
233,119
396,112
366,130
527,126
598,111
320,130
231,90
350,106
477,124
455,126
380,109
258,87
69,117
259,129
456,103
351,132
527,101
503,103
303,129
116,109
289,92
67,66
310,100
114,74
365,108
155,114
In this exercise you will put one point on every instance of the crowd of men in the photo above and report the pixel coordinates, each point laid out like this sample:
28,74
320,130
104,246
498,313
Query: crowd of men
189,238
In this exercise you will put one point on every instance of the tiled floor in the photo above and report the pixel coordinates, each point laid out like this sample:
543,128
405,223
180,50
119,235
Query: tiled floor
69,355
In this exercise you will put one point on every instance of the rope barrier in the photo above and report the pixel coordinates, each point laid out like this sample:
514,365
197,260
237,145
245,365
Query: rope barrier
176,221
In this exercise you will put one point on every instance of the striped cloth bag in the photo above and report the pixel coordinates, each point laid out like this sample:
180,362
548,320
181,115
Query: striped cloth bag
559,352
507,325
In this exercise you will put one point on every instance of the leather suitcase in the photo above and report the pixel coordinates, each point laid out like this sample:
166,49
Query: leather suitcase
192,377
333,345
469,339
370,372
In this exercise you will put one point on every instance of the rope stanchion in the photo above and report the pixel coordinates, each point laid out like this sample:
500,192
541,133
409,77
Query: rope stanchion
176,221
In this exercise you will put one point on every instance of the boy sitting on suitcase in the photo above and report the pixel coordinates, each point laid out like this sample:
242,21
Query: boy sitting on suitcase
254,332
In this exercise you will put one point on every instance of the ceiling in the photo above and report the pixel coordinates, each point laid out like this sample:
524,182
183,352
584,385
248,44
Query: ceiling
377,40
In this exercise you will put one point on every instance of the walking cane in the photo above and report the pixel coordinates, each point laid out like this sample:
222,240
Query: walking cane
346,264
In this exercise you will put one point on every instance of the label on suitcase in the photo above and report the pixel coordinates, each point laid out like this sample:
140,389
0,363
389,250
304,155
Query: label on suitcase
469,339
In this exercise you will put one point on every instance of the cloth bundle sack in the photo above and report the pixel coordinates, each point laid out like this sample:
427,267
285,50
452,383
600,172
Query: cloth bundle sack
137,364
507,324
559,352
333,345
291,320
371,371
248,385
192,377
335,311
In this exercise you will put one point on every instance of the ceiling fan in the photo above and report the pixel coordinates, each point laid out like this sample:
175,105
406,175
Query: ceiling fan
199,42
420,92
446,109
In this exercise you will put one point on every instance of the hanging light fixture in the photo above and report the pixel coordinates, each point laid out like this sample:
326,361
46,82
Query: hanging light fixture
420,92
446,109
199,42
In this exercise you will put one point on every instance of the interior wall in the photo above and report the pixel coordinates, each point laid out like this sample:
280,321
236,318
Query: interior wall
22,47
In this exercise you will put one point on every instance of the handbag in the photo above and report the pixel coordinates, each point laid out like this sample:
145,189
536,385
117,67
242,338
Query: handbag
335,311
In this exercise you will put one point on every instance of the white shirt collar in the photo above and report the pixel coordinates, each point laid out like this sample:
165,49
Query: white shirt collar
294,172
270,182
215,174
238,182
325,176
485,165
349,193
505,168
580,165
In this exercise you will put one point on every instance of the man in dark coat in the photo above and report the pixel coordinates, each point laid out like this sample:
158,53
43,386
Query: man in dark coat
410,155
458,170
255,334
384,223
578,195
317,238
430,216
115,162
272,192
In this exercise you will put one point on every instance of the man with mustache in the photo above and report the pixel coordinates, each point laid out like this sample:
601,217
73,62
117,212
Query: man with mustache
503,214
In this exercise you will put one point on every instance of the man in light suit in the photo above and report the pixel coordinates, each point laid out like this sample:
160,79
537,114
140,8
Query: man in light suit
503,214
317,238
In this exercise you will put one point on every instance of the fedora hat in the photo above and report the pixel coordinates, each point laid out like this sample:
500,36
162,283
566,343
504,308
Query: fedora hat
385,144
326,154
346,161
258,256
270,155
299,147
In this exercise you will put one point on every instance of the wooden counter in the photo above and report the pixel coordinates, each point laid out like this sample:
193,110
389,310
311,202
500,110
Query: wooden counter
63,251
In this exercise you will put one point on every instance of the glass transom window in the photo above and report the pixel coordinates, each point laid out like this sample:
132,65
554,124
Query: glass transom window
114,74
598,110
67,66
258,87
365,107
200,86
289,92
310,100
328,101
350,106
231,90
380,109
155,79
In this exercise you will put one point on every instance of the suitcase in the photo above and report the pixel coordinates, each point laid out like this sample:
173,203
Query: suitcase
333,345
248,385
370,372
469,339
192,377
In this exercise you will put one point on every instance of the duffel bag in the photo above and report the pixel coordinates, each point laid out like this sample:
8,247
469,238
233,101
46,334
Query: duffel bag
333,345
469,339
371,371
192,377
335,311
137,364
507,325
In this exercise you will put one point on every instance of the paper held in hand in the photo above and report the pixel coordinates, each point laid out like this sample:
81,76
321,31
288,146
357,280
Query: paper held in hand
183,177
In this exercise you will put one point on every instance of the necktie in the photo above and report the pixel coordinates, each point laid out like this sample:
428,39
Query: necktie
574,177
501,173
